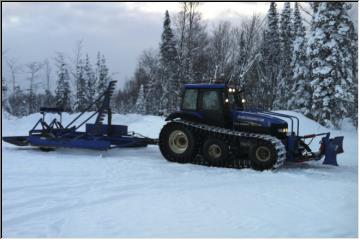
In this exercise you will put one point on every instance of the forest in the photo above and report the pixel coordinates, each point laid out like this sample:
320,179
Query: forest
302,58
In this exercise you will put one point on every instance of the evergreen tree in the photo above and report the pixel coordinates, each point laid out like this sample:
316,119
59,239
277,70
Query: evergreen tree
62,92
284,82
169,65
332,74
140,102
271,55
354,56
4,91
90,81
300,92
102,74
17,103
81,87
314,7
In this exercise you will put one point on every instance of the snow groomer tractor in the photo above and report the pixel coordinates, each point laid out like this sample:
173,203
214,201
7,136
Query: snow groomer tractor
213,128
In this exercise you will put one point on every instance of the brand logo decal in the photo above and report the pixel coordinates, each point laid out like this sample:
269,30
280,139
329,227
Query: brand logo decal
239,117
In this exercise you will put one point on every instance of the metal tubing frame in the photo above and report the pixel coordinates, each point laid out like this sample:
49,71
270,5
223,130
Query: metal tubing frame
37,123
90,105
105,94
316,135
92,115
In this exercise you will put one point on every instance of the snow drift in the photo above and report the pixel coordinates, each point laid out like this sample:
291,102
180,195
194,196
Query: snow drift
136,193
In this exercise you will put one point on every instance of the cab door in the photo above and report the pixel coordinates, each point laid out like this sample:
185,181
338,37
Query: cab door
211,106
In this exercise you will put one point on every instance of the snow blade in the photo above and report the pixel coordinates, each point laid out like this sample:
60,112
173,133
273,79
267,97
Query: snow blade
332,147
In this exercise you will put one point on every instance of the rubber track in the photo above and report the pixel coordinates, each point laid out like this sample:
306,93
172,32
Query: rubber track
232,135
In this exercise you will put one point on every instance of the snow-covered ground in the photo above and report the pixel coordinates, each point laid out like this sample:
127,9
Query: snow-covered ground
136,193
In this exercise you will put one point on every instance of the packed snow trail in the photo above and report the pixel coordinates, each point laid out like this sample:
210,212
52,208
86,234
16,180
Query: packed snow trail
137,193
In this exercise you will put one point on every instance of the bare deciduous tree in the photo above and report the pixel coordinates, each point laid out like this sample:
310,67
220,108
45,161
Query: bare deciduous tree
47,69
15,69
221,49
32,69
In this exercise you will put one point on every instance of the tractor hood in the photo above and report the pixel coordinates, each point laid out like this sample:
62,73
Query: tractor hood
257,119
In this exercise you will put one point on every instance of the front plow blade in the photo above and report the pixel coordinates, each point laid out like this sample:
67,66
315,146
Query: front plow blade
18,140
332,147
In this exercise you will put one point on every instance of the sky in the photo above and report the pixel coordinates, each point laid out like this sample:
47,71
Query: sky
35,31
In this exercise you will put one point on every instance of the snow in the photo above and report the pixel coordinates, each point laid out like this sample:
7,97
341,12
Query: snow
137,193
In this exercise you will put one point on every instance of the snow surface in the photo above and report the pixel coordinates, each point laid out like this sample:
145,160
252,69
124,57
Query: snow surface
137,193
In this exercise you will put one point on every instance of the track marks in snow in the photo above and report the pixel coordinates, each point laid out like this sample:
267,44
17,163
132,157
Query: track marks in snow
136,193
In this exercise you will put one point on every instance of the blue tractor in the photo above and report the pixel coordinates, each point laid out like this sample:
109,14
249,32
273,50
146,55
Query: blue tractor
213,128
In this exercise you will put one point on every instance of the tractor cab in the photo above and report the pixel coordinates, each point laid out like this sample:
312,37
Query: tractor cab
223,105
212,102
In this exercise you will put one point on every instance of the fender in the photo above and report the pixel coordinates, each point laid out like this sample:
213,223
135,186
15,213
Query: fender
190,116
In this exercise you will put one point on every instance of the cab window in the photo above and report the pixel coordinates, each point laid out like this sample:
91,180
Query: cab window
210,101
190,99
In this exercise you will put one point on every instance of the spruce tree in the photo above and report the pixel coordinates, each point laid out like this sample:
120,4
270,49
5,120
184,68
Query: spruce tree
62,92
332,74
271,55
103,75
284,82
354,106
300,97
4,93
17,103
314,7
90,81
140,101
169,66
81,101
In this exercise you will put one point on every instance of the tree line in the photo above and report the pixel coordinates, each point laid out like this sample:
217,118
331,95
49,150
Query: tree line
78,83
281,60
279,63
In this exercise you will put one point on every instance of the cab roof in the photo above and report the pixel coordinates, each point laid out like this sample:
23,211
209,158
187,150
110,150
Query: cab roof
205,86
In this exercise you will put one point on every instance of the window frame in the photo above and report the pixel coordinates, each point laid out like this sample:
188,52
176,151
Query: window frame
219,98
197,99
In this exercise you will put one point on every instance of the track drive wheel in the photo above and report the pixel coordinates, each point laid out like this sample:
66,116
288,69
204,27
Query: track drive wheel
177,143
263,155
215,151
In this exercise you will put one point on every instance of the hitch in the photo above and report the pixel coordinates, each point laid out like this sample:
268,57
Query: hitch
329,147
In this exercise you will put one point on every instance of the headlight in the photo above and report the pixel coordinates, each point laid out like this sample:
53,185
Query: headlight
282,130
243,100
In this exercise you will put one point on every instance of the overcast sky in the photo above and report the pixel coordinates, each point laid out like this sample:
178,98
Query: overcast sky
121,31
